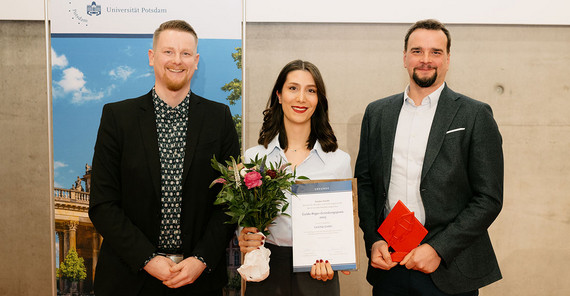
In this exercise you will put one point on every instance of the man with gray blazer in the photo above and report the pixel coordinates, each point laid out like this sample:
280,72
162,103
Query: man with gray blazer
440,153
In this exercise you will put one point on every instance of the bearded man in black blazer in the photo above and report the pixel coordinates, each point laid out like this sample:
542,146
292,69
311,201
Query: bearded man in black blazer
150,195
440,153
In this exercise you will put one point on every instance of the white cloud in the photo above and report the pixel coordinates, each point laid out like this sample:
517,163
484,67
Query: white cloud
58,61
58,164
56,91
128,51
73,80
145,75
86,95
121,72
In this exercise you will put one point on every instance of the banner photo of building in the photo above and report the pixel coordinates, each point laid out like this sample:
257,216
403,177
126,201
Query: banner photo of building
99,54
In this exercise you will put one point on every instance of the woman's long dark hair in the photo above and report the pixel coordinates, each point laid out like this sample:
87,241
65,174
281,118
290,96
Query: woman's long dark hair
321,129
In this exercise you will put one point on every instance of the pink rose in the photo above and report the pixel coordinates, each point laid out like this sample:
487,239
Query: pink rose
252,179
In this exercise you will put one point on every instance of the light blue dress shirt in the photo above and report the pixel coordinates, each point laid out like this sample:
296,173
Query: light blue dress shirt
319,165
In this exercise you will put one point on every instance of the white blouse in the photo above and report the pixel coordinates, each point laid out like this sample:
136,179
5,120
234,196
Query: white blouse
318,165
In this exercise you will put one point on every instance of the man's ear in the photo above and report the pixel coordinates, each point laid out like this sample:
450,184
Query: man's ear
151,57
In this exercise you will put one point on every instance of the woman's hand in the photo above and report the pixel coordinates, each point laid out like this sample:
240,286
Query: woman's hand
322,271
248,240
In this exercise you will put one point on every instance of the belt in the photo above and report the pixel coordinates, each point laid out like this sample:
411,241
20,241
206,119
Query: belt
176,258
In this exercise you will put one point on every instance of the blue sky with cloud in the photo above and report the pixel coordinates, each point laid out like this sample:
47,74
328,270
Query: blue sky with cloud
90,72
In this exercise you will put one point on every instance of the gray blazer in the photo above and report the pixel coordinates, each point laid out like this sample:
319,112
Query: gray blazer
461,186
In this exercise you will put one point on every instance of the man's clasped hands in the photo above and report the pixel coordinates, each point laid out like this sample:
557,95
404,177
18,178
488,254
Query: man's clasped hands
175,275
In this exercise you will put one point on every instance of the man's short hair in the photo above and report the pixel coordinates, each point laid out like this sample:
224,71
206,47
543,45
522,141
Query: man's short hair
177,25
429,24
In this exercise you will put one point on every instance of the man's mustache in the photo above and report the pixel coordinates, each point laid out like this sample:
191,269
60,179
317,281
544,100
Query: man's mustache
425,67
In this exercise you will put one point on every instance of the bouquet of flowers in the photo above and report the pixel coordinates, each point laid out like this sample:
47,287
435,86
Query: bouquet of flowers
254,194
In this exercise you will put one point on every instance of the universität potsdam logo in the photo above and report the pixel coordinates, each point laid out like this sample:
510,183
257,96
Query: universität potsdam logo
94,9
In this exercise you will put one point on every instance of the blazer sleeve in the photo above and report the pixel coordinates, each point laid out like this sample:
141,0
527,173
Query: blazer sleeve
105,210
485,175
218,233
367,197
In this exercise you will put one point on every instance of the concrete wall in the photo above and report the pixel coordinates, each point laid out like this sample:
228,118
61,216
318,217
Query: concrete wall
521,71
26,211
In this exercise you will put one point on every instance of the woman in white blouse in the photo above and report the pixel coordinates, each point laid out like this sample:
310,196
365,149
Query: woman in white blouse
296,130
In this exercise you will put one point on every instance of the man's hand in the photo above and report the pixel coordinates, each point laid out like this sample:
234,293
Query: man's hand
159,267
186,272
423,258
380,256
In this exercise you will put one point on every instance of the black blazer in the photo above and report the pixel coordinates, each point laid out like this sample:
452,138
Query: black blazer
125,193
461,185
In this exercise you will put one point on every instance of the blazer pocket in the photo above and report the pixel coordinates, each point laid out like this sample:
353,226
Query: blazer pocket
478,260
453,133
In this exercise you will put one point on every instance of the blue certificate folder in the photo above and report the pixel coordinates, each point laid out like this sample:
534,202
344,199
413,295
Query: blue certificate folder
320,187
325,226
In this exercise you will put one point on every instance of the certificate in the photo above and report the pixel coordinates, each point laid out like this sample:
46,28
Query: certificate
323,224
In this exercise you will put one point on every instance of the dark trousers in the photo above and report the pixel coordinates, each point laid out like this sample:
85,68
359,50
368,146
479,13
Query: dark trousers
154,287
400,281
282,280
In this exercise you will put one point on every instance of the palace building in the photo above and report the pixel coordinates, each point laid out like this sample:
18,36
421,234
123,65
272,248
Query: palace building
74,228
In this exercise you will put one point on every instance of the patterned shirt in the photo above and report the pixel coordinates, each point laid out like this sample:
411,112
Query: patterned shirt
171,126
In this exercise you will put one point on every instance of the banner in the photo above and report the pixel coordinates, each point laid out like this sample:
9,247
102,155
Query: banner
99,54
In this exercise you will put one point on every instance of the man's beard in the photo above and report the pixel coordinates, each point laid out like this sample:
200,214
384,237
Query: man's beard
174,85
424,82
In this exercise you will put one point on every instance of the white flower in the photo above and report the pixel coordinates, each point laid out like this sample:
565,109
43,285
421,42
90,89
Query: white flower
236,175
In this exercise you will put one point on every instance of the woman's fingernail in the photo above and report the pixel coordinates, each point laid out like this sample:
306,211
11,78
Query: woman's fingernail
317,261
327,261
321,260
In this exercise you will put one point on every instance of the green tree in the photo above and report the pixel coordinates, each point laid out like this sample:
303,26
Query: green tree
73,267
234,87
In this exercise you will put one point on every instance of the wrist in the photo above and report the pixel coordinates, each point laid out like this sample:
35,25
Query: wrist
379,242
154,254
201,260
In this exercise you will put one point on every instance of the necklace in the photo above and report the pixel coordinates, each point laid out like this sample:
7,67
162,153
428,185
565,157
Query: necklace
295,150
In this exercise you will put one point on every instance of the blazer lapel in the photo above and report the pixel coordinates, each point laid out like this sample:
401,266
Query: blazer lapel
196,114
147,121
390,116
446,109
